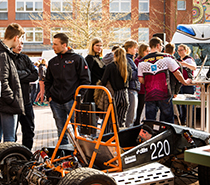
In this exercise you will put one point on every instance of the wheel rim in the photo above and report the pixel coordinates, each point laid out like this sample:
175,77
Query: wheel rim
15,156
12,156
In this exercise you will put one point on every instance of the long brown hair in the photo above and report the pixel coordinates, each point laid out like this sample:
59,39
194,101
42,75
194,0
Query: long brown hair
143,47
93,42
121,61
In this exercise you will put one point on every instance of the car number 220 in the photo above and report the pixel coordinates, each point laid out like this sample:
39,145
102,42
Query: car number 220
160,149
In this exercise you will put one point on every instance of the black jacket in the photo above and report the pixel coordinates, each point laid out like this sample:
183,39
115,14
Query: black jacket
97,68
112,74
65,73
11,100
27,73
174,83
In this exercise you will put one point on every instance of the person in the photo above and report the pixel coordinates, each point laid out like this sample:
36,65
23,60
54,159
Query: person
143,50
95,65
189,66
153,73
42,73
174,83
35,85
27,73
109,57
65,72
118,73
11,100
134,85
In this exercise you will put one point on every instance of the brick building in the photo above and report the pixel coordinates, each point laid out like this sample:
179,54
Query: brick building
151,16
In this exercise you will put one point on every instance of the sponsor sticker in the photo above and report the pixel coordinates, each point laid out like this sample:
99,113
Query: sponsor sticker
130,159
141,151
69,61
156,127
154,67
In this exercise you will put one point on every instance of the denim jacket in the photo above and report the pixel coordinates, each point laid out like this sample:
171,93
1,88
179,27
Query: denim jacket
134,83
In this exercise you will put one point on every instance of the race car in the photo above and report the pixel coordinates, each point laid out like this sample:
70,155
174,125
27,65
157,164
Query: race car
92,159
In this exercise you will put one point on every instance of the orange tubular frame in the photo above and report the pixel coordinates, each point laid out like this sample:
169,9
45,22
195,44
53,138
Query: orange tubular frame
113,142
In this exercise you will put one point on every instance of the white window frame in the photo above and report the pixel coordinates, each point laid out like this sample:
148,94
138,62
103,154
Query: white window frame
1,1
121,32
181,8
59,30
144,1
24,1
34,31
2,31
120,6
144,31
61,5
99,2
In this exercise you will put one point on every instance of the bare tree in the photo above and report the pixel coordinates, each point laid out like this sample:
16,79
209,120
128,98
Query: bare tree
85,19
170,14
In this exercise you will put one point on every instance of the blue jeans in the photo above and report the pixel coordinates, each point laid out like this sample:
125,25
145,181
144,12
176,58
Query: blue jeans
166,110
8,124
60,114
132,110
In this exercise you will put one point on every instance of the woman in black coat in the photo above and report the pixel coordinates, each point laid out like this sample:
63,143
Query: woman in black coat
95,64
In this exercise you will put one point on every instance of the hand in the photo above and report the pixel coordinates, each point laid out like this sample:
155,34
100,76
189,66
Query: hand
188,81
175,95
50,99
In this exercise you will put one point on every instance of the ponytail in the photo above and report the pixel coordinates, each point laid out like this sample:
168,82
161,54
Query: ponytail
121,61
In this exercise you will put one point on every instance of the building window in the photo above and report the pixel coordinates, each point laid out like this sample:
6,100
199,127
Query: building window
120,6
181,5
33,35
29,5
121,35
143,6
95,5
61,6
3,6
143,35
2,30
58,30
3,10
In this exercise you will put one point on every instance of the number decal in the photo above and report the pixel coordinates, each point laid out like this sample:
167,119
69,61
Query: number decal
162,148
166,147
152,156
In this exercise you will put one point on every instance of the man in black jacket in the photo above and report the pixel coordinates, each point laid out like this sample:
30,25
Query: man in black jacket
11,101
65,73
27,73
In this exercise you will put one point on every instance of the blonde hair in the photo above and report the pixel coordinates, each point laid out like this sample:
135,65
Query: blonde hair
43,61
143,47
129,44
121,61
92,43
188,50
37,63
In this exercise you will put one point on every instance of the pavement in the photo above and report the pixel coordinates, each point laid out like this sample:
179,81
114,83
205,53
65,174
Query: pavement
45,128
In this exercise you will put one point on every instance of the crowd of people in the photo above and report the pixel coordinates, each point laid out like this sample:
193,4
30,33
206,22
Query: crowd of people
137,75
